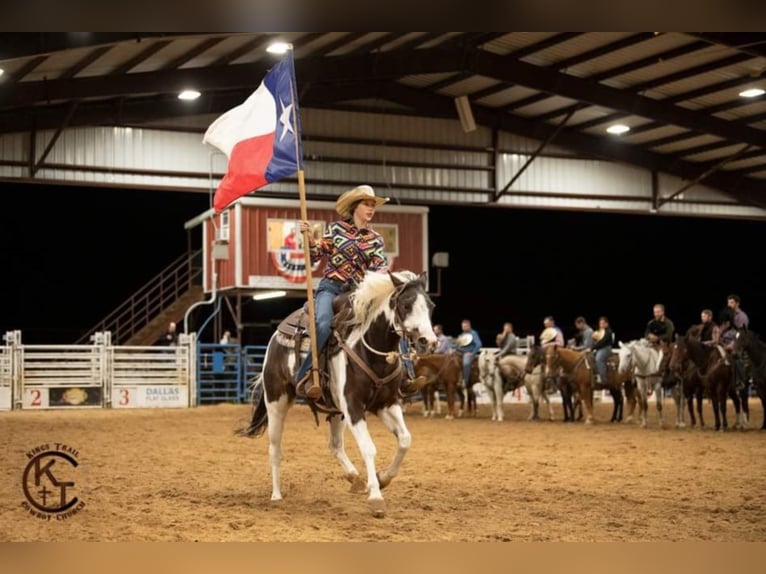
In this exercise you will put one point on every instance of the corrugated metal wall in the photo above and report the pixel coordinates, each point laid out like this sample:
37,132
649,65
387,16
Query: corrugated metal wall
407,158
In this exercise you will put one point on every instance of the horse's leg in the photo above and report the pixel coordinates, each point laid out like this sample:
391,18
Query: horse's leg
450,386
744,399
425,393
498,400
393,419
460,393
566,403
737,408
690,407
660,392
541,393
436,402
586,401
534,400
368,451
714,397
277,410
630,396
762,396
642,400
700,393
337,448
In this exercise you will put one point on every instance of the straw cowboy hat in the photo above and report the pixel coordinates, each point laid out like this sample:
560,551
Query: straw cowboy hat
598,335
464,339
548,335
359,193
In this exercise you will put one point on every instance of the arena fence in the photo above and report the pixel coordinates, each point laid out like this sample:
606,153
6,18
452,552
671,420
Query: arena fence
96,375
225,372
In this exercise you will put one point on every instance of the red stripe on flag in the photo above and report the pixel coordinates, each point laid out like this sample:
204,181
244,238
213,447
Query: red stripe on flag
247,169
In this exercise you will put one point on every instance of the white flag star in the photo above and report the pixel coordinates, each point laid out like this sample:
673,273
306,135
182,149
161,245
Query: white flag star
284,119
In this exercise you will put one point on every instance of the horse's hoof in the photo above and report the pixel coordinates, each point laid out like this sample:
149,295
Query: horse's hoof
383,482
449,417
358,486
588,421
276,498
378,507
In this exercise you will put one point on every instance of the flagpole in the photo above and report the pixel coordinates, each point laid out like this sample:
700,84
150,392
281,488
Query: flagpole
306,234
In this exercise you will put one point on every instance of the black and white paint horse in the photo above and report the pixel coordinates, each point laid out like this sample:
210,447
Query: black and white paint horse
364,376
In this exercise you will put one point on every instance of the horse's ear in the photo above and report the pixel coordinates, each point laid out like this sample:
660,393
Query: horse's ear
395,280
622,345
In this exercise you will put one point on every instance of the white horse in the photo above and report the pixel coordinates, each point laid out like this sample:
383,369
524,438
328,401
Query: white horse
511,368
645,360
364,377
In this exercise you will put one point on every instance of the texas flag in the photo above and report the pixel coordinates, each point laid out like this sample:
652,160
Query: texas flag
261,137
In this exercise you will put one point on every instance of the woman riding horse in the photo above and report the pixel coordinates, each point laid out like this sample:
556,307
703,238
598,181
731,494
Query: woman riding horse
351,248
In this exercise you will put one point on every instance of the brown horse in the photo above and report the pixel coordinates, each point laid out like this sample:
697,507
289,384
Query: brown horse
365,374
716,375
573,372
441,370
683,370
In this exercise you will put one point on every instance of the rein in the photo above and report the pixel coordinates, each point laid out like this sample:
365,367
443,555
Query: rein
378,381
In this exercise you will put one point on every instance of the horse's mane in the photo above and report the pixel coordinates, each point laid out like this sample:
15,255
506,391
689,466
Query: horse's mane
373,294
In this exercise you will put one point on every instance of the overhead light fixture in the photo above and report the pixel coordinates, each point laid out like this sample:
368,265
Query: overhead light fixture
465,113
189,95
752,93
278,48
2,71
269,295
618,129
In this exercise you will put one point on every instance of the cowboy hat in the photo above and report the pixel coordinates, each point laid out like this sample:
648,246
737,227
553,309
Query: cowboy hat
598,335
359,193
464,339
548,335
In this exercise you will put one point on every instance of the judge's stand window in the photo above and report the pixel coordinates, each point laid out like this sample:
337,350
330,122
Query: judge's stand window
223,229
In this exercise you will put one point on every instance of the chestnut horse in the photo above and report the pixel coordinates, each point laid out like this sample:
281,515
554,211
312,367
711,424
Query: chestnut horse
446,370
364,376
574,373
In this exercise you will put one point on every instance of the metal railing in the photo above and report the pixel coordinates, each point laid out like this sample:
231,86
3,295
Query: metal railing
150,300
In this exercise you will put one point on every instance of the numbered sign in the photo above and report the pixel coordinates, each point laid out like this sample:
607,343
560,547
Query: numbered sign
36,398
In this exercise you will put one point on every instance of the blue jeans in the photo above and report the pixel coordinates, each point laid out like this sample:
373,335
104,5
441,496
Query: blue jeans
467,361
601,356
407,363
325,293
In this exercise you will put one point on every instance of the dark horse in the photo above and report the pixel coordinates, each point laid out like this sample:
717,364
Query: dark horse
716,375
684,370
364,376
751,343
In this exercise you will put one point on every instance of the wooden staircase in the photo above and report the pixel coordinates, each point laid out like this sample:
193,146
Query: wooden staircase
144,316
155,328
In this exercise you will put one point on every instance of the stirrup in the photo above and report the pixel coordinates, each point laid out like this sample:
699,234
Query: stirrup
313,392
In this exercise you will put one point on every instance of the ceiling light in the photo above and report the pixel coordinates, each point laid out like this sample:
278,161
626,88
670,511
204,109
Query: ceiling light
2,71
189,95
269,295
618,129
278,48
752,93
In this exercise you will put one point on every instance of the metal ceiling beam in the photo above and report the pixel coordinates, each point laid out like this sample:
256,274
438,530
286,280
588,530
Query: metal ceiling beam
337,43
83,63
752,43
142,56
381,66
376,43
747,190
252,45
22,44
30,65
189,55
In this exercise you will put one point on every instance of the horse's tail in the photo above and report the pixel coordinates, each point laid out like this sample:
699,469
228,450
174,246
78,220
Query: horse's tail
260,416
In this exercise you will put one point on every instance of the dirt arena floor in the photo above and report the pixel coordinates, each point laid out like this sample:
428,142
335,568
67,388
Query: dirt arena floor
182,475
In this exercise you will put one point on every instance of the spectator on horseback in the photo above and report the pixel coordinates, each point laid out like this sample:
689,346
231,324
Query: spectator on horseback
507,341
733,321
603,341
468,345
352,249
659,331
741,321
707,331
552,335
443,347
584,337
